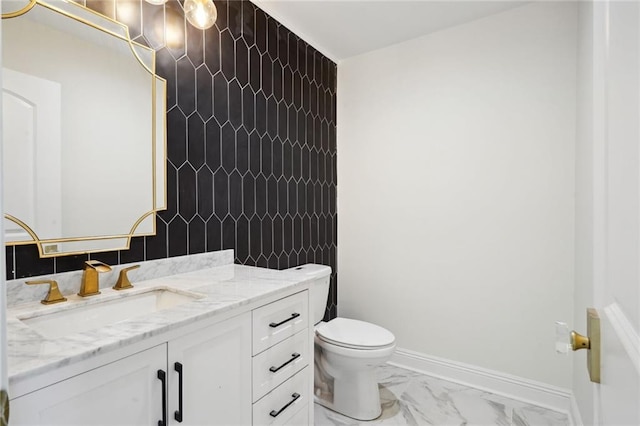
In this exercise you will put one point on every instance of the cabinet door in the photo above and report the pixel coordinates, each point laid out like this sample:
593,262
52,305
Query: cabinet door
216,375
124,392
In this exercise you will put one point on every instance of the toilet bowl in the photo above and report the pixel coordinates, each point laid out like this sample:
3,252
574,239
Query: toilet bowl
346,353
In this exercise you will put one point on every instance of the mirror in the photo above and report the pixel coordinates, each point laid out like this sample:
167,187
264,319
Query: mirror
83,130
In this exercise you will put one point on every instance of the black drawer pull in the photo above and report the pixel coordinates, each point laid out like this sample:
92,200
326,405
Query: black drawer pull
178,414
278,324
294,356
163,378
275,413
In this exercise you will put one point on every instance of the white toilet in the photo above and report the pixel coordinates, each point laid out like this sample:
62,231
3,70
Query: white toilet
347,352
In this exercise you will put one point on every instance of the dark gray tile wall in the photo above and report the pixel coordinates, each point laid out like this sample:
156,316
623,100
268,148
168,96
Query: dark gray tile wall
251,135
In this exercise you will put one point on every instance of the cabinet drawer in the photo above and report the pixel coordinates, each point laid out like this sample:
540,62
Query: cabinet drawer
279,320
286,358
281,404
301,418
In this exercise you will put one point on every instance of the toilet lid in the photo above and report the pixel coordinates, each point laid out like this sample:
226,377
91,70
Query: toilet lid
354,334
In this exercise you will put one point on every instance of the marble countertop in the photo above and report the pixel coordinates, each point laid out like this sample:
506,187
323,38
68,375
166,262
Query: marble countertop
224,288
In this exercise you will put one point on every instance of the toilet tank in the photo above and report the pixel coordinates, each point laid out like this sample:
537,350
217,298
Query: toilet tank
320,276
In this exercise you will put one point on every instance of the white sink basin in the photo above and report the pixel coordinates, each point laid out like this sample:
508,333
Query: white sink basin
90,316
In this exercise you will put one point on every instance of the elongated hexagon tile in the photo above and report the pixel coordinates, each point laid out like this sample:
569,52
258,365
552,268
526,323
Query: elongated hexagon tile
220,98
255,237
177,135
186,193
177,237
186,77
221,193
174,30
195,141
235,103
271,199
214,234
228,55
195,45
204,182
242,62
248,109
242,151
213,145
212,49
234,18
242,239
228,143
261,196
197,235
204,93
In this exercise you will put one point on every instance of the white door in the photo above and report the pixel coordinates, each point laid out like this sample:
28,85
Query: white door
4,384
31,131
213,365
616,401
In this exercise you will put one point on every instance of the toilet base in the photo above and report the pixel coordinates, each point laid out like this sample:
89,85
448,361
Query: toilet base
355,395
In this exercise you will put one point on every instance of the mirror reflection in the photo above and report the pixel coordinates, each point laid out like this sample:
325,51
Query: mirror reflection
83,130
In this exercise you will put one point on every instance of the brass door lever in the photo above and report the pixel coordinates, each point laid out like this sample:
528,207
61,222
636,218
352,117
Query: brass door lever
53,295
576,341
123,280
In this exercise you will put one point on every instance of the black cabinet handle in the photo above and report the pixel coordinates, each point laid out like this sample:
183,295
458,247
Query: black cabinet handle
278,324
163,378
178,414
275,413
294,356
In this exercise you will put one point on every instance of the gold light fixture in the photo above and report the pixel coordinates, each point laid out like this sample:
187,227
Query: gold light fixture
201,14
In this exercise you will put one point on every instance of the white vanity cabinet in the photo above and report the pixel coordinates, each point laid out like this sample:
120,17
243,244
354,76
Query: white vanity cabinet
216,385
254,367
125,392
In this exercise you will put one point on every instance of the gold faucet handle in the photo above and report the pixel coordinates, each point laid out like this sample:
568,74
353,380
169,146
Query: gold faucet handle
123,280
54,295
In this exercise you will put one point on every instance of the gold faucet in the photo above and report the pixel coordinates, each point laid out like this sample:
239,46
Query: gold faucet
90,283
123,280
53,295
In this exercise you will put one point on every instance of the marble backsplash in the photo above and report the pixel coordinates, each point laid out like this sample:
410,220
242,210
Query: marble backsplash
69,282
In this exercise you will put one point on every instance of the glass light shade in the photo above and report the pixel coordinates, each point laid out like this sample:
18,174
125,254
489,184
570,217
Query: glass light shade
156,2
200,13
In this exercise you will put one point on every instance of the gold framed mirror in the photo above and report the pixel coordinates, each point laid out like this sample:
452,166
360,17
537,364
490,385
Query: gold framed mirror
84,130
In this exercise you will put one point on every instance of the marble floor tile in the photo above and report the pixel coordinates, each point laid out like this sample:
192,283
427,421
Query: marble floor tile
532,415
411,398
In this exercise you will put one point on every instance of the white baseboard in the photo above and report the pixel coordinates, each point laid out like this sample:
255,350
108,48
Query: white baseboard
574,413
518,388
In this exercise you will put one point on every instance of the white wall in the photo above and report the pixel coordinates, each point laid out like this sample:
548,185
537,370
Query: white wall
455,196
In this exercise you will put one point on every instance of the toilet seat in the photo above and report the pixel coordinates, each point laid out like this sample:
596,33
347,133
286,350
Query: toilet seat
354,334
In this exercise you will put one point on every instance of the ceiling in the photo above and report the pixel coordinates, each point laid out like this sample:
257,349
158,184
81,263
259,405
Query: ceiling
344,28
